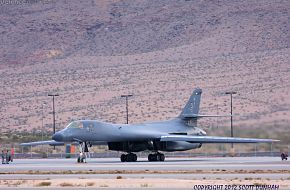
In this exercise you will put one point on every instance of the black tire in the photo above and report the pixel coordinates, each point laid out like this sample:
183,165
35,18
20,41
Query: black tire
123,158
162,157
131,157
158,157
155,157
150,157
79,160
134,157
128,158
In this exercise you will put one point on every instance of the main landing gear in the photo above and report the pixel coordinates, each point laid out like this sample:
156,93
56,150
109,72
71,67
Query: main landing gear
156,157
128,157
131,157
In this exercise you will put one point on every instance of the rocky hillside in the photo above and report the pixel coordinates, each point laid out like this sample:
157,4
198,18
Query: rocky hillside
91,52
38,31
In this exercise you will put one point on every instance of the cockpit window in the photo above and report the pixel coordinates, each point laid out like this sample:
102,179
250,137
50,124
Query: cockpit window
90,127
75,125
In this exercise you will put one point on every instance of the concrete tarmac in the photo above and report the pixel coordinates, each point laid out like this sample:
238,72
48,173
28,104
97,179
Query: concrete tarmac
171,164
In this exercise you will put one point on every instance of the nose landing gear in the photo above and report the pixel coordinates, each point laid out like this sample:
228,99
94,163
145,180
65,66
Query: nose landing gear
81,158
128,157
83,146
156,157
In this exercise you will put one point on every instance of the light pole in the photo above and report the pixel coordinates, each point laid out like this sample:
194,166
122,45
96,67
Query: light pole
42,121
53,110
127,96
232,132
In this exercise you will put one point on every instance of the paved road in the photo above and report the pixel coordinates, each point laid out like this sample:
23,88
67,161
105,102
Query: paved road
171,164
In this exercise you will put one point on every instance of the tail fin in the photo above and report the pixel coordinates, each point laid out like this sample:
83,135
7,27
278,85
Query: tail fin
191,109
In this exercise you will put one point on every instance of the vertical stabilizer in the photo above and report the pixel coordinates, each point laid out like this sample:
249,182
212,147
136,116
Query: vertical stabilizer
191,109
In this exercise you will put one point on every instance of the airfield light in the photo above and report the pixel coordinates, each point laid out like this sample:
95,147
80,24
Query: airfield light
232,132
53,110
127,96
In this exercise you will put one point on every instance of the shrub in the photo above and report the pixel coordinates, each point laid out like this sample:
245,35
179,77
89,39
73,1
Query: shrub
44,183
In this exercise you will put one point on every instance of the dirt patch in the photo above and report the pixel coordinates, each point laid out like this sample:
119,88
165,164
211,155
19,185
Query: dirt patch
137,183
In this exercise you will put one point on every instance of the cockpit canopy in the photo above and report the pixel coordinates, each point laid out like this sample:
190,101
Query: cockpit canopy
75,124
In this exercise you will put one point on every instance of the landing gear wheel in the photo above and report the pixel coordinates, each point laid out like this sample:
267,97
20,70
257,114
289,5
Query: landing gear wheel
131,157
81,159
156,157
128,157
123,158
162,157
150,157
134,157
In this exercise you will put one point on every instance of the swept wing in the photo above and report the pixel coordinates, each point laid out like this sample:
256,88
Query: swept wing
56,143
36,143
214,139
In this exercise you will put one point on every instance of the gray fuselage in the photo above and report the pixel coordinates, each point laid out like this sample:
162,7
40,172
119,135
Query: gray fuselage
139,137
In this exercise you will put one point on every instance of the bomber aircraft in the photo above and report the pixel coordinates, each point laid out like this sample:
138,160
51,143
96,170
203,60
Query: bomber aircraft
178,134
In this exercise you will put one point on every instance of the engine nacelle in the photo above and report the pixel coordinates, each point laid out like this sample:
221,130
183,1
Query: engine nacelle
178,146
128,146
153,146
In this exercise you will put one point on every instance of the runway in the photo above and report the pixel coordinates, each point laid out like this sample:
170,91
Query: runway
173,172
171,164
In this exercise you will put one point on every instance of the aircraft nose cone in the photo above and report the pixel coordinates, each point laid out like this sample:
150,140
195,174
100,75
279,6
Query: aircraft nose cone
57,137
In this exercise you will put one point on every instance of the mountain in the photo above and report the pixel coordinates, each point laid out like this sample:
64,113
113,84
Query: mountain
91,52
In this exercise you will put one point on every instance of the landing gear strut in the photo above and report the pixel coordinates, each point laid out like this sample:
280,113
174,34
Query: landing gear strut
128,157
156,157
83,146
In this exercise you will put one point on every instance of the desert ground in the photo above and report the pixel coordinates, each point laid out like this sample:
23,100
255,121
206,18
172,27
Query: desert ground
141,183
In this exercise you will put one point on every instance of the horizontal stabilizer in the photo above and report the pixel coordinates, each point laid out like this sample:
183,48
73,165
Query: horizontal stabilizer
214,139
202,115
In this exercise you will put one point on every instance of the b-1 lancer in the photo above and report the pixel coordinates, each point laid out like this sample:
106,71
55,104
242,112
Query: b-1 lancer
178,134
